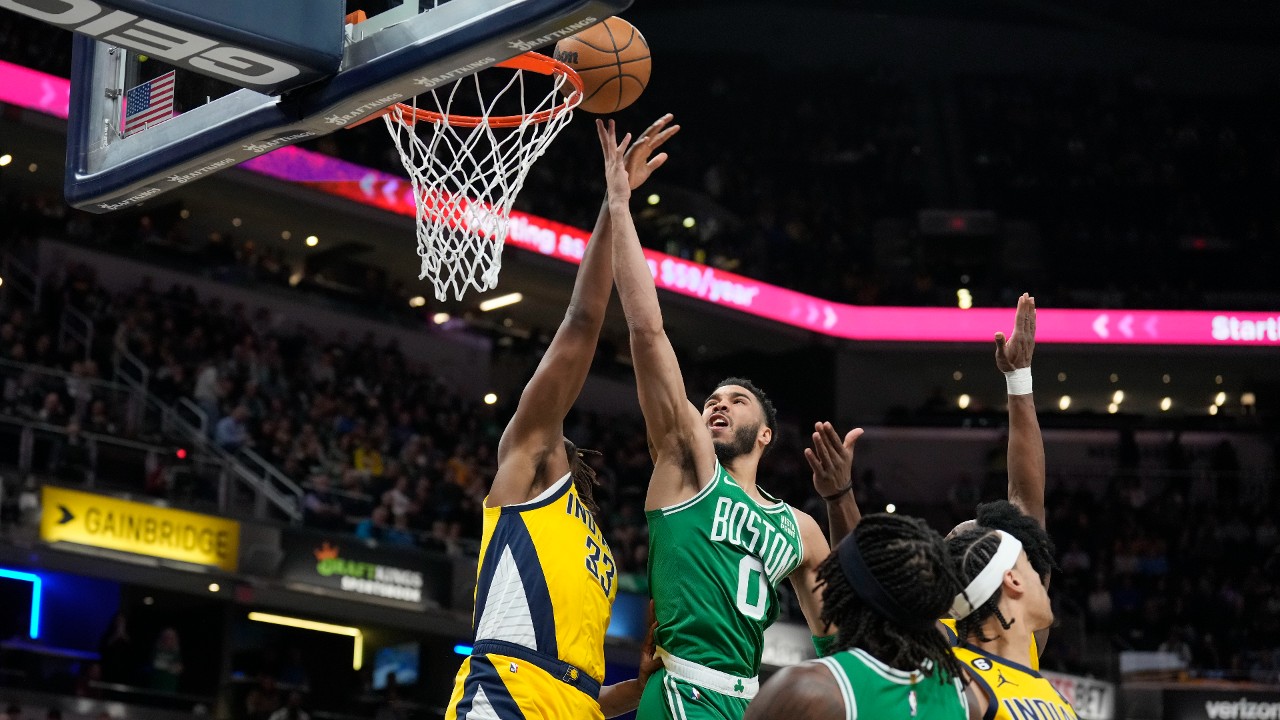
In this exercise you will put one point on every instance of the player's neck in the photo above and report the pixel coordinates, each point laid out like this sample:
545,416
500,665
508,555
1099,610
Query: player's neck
743,469
1013,643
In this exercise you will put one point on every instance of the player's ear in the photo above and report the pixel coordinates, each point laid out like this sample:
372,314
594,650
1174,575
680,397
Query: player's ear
1013,586
766,435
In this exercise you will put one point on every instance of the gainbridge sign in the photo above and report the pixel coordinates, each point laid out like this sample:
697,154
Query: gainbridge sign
98,521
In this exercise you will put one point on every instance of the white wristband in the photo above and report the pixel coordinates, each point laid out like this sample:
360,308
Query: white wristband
1019,381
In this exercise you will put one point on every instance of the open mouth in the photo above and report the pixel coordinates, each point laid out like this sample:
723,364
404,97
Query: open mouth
718,421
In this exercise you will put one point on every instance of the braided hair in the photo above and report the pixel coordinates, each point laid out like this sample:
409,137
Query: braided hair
584,476
911,563
973,550
1004,515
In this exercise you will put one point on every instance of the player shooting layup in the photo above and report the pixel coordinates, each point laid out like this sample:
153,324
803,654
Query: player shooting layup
546,578
719,546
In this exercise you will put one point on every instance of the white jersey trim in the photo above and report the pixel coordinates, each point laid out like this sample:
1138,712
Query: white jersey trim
893,675
542,496
705,491
846,689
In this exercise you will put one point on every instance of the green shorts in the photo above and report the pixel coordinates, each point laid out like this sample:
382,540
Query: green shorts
669,698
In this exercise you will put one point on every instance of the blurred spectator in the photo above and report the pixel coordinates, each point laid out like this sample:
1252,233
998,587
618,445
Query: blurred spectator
375,526
320,508
166,662
231,433
118,651
292,710
264,699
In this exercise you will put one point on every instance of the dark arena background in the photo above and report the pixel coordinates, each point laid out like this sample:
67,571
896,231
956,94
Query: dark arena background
244,449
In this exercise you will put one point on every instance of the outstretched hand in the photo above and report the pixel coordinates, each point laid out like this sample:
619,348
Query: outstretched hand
831,458
649,660
615,161
638,161
1017,350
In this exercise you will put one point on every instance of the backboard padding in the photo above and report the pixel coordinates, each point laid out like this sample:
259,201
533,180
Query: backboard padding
456,39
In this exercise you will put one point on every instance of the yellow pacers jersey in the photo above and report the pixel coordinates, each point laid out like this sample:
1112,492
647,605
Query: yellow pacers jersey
950,625
544,593
1014,691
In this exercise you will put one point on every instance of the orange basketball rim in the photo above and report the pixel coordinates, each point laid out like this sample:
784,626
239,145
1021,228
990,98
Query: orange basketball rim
530,61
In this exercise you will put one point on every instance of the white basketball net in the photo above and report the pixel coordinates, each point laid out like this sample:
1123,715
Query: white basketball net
465,179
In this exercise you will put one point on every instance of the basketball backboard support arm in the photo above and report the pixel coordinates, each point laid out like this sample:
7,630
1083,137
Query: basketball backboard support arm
432,48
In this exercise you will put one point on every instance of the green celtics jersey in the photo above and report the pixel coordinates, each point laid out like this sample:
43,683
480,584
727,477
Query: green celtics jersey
715,562
872,689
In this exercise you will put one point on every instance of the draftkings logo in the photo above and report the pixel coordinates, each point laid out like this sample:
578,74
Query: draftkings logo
367,578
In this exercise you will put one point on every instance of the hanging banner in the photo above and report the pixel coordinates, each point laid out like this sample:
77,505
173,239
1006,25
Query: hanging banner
105,522
348,566
1222,704
1092,699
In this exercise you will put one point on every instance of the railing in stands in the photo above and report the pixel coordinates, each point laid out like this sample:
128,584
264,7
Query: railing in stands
22,280
206,478
25,385
272,475
78,327
187,420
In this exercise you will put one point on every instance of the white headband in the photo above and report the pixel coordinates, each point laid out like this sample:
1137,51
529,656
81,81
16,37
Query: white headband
989,580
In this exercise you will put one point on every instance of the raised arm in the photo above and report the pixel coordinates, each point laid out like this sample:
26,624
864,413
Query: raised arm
804,579
681,446
832,461
1026,446
536,428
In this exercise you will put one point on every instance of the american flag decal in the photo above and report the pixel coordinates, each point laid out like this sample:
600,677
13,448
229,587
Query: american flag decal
149,103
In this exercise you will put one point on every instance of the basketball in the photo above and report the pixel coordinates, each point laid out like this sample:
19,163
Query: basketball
613,59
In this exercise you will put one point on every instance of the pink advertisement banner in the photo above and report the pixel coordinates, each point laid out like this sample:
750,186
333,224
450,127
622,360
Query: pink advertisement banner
47,94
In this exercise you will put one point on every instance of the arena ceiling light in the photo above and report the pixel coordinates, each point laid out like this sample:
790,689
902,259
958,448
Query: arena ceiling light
501,301
357,657
5,159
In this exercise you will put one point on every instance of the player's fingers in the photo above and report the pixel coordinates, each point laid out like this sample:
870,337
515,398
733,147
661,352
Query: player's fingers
813,460
659,124
831,437
852,437
823,450
999,342
665,135
657,161
626,142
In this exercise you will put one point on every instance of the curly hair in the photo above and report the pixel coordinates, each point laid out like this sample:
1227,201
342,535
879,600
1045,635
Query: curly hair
972,549
584,476
911,563
1004,515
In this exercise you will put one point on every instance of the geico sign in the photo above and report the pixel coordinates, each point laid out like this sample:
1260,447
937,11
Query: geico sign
179,47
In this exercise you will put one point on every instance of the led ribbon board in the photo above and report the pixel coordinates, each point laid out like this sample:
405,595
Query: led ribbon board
48,94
